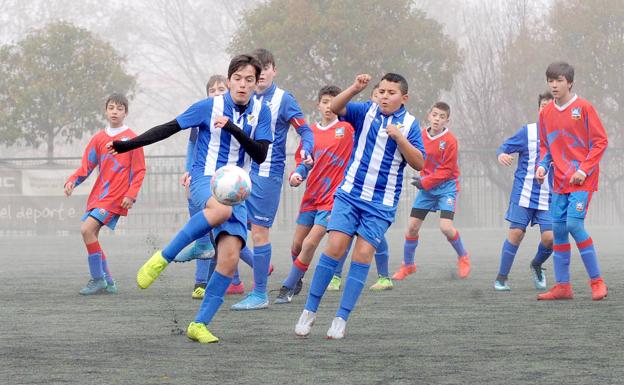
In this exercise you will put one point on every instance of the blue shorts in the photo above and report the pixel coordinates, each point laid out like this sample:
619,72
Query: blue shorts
264,200
352,216
425,200
236,224
520,217
314,217
573,205
106,218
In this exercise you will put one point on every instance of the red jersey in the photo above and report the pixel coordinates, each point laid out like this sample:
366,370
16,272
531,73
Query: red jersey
119,176
441,161
573,138
332,149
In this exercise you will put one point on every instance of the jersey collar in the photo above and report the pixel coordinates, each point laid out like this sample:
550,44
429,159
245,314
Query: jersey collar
437,136
325,128
562,108
268,91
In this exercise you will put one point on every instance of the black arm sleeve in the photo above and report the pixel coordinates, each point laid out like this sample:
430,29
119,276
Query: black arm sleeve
153,135
257,149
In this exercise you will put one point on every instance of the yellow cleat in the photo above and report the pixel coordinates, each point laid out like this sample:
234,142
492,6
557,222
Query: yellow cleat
151,269
198,332
199,292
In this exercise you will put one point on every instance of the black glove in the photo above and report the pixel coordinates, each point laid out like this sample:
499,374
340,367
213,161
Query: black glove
417,182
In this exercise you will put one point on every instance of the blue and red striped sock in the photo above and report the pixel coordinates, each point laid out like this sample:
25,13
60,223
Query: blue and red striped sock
95,260
297,271
458,245
409,250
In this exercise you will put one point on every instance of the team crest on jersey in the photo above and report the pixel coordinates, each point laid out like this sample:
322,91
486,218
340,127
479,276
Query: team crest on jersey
250,118
399,126
268,103
576,113
579,207
339,132
102,211
442,145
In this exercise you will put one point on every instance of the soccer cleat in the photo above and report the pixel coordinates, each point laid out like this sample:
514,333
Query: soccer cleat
111,288
539,278
463,266
194,251
305,323
199,291
383,283
253,301
298,287
285,295
235,289
598,288
404,271
559,291
94,286
334,284
198,332
501,285
151,269
337,329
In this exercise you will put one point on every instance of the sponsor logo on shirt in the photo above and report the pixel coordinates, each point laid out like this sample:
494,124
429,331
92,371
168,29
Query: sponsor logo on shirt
339,132
250,118
579,207
442,145
576,113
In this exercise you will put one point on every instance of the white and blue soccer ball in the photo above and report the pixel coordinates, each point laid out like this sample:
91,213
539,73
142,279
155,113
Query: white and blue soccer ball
230,185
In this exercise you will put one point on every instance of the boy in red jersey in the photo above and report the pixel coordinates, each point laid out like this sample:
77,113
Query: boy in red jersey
573,139
438,186
115,191
333,143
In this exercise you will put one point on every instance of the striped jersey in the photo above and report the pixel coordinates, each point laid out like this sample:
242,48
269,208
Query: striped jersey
375,170
215,147
284,112
440,174
526,191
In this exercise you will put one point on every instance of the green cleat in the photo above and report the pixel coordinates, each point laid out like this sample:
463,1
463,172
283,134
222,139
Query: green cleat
198,332
199,291
94,286
111,288
383,283
334,284
148,273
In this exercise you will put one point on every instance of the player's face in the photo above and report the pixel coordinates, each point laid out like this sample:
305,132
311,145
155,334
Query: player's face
266,77
375,95
390,97
544,103
217,89
559,87
242,84
323,108
115,114
437,119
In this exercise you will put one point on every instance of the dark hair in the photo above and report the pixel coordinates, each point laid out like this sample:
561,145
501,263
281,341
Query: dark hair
117,99
242,61
545,96
442,106
265,56
214,79
328,90
560,68
396,78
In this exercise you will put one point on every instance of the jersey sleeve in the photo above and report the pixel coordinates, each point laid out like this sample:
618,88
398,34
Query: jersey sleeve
597,141
295,117
545,155
263,129
356,111
89,162
445,170
196,115
514,144
300,168
137,173
414,136
190,148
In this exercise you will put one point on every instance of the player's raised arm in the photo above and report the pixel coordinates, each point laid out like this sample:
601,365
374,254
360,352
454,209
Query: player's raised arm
339,103
153,135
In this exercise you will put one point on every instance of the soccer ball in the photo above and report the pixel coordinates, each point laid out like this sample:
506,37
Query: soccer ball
230,185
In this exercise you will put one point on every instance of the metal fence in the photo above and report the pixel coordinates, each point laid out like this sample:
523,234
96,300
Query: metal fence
162,204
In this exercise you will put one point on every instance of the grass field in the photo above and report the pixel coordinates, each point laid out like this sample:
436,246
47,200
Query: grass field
431,329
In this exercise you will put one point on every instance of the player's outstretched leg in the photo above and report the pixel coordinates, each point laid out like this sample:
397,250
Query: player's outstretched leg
336,281
258,298
561,261
352,290
287,291
508,253
381,261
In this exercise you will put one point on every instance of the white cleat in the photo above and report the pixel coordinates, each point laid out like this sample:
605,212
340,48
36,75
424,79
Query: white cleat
337,329
305,323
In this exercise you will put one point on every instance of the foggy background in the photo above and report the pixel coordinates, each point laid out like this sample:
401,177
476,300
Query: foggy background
59,60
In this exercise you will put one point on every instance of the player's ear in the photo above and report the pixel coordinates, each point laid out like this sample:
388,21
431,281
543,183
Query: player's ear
404,98
227,83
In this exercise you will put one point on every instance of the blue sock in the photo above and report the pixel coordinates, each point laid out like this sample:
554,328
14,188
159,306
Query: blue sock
508,253
353,288
213,297
247,256
561,257
542,255
409,250
381,258
107,273
201,270
322,276
261,262
95,260
212,264
585,244
196,227
236,278
458,245
297,271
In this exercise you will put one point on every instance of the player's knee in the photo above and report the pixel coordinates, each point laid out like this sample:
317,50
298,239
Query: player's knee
447,229
295,248
260,235
87,231
547,242
309,245
516,235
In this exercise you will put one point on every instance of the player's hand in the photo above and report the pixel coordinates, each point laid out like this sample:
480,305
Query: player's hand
417,181
110,147
307,158
505,159
393,131
295,179
540,174
185,179
578,178
221,121
361,82
69,188
127,203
